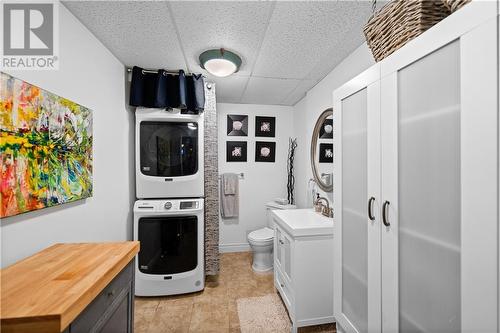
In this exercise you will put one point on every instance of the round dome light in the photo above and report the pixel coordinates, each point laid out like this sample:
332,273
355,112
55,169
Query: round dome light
220,62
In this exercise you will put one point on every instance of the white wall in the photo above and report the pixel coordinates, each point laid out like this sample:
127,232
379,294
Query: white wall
307,111
89,75
263,181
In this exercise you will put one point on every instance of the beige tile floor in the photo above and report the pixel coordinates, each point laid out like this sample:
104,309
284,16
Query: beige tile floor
213,309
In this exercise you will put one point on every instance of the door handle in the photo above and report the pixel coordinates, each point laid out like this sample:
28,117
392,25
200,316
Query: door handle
370,209
384,213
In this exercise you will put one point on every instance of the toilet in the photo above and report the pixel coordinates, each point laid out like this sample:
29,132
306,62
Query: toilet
262,241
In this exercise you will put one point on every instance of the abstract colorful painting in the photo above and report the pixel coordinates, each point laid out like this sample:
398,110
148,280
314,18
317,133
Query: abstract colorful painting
45,148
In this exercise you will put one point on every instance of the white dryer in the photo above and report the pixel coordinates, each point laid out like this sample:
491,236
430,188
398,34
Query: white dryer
168,154
171,257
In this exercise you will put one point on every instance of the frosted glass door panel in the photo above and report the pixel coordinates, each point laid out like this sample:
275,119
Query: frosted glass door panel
429,193
354,218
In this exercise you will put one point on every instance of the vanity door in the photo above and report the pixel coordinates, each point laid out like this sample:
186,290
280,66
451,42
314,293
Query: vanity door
356,119
439,118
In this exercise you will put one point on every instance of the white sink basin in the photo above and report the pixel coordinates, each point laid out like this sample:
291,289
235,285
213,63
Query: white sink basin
303,222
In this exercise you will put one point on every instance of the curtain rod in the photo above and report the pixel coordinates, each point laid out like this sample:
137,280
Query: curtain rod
156,71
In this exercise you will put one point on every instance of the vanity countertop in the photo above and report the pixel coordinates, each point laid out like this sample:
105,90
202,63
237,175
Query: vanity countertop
47,291
303,222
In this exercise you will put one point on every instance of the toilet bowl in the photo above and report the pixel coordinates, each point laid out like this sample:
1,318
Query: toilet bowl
262,241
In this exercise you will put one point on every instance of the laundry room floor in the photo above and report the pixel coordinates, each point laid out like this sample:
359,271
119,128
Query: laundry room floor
213,309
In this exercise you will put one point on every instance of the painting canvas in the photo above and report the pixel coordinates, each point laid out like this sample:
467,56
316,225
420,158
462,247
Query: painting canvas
326,130
236,151
45,148
265,126
326,153
265,151
237,125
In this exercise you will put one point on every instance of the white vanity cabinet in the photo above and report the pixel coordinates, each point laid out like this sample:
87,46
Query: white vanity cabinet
303,265
416,184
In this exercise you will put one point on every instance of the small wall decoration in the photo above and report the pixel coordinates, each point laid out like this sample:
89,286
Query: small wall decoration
326,153
236,151
265,126
45,148
237,125
265,151
326,130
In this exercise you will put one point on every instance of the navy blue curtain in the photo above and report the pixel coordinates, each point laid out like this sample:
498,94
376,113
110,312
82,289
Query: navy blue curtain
167,90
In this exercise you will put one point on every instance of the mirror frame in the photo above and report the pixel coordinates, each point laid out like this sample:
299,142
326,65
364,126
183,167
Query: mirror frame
314,145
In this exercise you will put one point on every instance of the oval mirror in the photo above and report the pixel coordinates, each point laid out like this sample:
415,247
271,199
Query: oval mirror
322,151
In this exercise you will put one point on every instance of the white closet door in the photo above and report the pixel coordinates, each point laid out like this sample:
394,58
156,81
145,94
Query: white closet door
439,178
356,180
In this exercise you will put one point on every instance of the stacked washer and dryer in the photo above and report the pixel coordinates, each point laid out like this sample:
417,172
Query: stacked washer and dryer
169,212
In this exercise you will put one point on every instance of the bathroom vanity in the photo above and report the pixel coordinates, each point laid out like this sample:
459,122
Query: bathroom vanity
303,265
70,288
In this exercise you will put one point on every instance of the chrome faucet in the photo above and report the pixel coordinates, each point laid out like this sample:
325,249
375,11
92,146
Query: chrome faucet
325,210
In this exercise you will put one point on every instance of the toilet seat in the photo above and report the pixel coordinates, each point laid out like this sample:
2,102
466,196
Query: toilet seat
264,235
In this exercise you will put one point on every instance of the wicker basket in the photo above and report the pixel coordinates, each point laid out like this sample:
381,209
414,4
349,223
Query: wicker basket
454,5
400,21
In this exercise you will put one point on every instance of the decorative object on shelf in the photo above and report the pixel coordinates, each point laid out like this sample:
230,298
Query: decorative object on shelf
220,62
265,151
265,126
237,125
45,148
326,130
236,151
326,153
399,21
290,186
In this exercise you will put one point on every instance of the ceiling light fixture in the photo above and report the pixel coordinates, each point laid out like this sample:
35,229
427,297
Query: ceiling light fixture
220,62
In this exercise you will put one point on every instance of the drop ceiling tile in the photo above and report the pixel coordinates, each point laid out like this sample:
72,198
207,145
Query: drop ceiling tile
137,32
301,33
299,92
229,89
268,90
236,26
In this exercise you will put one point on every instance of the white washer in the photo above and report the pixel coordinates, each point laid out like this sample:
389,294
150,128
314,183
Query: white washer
168,154
171,258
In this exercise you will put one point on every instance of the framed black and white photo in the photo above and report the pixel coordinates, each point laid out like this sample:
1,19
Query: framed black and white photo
326,153
236,151
265,151
237,125
326,130
265,126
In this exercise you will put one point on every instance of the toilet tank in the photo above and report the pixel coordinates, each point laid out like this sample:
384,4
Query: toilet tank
272,206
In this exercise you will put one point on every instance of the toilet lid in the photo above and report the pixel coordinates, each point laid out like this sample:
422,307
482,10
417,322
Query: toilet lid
261,234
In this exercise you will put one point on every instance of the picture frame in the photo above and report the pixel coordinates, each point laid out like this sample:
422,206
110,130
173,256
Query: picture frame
326,129
265,126
237,125
265,151
326,153
236,151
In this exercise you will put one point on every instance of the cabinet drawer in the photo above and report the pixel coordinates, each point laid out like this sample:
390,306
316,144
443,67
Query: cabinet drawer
86,321
284,289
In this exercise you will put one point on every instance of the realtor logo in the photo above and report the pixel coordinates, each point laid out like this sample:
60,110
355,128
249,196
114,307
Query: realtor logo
29,36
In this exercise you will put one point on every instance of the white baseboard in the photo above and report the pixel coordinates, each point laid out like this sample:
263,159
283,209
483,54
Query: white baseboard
234,247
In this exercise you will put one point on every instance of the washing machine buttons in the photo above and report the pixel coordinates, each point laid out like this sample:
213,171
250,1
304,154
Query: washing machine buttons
168,205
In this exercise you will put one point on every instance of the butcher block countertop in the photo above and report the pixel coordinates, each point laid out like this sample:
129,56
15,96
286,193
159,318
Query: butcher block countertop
47,291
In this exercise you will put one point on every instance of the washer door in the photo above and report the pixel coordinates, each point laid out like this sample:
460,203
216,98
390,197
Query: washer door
169,244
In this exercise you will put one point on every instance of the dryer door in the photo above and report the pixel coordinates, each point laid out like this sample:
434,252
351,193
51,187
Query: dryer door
168,149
